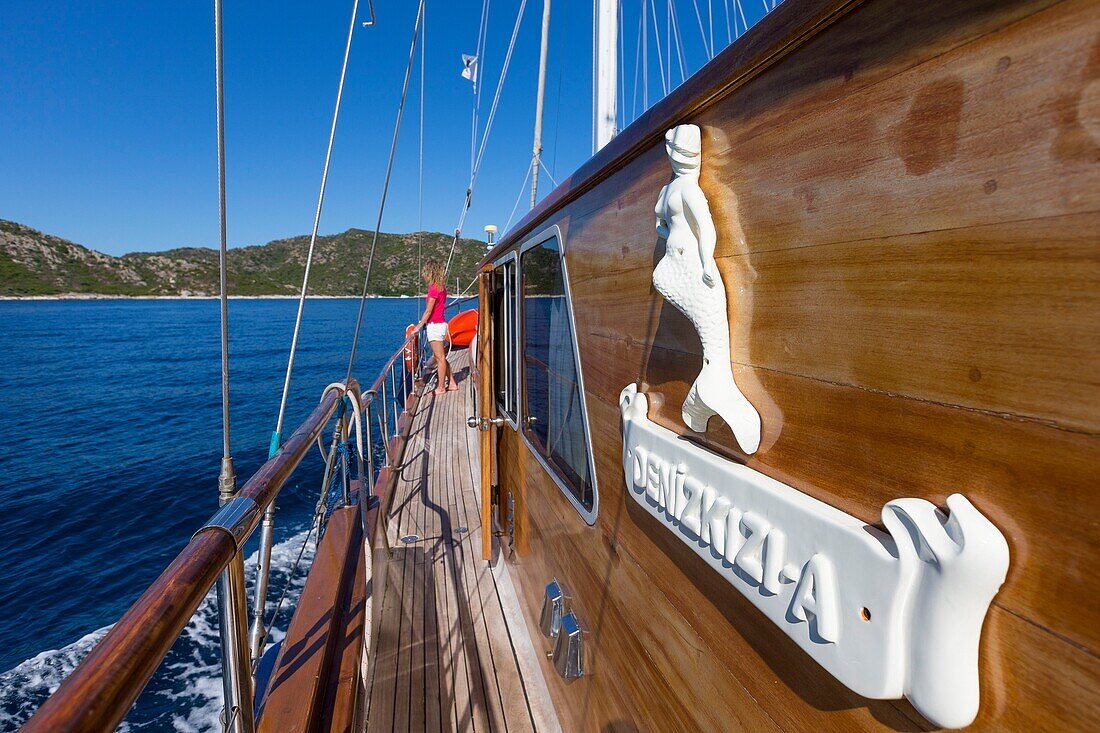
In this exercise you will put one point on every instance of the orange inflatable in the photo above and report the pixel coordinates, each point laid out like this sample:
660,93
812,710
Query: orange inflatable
463,328
412,348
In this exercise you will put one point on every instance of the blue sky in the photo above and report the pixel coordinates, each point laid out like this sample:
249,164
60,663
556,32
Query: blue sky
107,131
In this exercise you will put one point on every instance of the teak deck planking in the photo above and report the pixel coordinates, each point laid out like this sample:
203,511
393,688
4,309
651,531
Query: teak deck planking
443,658
908,205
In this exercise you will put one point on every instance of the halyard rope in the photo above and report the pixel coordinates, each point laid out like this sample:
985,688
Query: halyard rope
385,187
223,297
485,136
276,438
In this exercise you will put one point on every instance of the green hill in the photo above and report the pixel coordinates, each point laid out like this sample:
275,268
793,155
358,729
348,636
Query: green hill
34,263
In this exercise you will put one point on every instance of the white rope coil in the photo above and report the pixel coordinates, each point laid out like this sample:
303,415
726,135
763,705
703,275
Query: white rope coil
356,416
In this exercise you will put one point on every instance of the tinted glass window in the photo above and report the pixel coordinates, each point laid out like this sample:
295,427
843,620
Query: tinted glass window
553,419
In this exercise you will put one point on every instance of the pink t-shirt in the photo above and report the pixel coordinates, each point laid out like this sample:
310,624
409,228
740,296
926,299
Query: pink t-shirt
440,295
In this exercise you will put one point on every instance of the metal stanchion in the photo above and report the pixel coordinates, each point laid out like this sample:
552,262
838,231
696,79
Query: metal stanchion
370,442
263,574
383,425
393,388
238,713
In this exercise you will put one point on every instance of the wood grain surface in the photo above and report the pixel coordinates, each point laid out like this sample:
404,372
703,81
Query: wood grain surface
443,658
305,691
482,372
907,197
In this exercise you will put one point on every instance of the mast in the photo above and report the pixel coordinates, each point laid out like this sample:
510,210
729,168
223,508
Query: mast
536,155
604,72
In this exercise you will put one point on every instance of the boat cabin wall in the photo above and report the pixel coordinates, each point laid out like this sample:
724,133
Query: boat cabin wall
907,201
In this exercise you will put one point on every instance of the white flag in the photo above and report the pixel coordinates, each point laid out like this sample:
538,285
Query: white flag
469,68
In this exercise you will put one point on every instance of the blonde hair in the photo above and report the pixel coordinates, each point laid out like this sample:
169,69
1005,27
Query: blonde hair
433,272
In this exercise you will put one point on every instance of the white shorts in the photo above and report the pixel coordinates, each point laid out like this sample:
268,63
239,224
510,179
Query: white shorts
437,332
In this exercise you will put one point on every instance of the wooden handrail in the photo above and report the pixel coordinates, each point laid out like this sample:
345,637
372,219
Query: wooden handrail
103,687
101,690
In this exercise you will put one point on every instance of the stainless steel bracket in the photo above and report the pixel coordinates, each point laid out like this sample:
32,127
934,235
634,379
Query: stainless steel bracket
568,655
236,517
483,423
553,608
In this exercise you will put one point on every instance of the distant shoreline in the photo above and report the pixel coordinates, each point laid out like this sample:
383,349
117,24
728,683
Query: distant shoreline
93,296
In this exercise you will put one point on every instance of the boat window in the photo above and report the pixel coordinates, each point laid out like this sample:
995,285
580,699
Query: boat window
554,421
504,339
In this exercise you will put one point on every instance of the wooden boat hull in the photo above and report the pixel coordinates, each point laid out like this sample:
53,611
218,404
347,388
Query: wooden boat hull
906,198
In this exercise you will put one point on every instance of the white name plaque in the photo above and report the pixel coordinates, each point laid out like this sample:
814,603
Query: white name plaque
888,614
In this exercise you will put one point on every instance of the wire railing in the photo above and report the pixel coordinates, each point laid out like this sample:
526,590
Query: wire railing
99,693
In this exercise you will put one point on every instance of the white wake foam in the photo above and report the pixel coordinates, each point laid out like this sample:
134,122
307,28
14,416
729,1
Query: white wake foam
185,694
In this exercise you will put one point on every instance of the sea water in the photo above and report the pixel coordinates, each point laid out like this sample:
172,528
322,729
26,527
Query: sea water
110,444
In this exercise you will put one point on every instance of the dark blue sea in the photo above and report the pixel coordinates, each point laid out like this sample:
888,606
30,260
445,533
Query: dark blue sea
110,441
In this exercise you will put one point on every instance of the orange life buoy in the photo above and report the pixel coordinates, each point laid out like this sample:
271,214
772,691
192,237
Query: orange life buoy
412,348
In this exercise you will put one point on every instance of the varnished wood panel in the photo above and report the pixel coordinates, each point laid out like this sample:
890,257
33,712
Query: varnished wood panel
857,450
994,318
998,322
876,42
1029,657
933,265
341,711
302,680
908,208
486,392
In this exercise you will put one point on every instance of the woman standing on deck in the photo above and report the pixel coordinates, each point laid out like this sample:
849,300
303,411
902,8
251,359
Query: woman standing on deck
437,324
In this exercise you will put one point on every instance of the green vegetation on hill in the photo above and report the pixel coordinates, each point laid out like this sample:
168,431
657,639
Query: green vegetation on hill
33,263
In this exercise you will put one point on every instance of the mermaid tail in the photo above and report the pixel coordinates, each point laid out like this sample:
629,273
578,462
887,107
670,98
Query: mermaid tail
710,395
682,278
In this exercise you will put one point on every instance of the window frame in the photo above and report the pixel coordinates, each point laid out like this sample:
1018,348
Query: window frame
531,242
510,328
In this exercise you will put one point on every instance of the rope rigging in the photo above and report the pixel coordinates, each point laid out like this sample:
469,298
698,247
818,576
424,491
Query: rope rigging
227,479
671,44
479,54
258,631
485,135
386,186
420,170
548,173
699,18
277,435
660,56
522,188
675,37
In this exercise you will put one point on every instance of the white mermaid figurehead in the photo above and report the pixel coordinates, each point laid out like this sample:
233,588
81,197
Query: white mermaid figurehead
688,277
683,147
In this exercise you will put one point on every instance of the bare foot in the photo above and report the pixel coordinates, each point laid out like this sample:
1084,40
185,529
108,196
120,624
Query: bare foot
453,387
440,391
